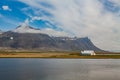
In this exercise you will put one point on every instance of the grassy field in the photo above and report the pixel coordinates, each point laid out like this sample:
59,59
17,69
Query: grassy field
63,55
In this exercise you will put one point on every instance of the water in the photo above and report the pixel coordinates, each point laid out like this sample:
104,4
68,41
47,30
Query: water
59,69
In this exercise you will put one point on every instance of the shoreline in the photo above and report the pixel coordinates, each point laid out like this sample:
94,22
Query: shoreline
56,56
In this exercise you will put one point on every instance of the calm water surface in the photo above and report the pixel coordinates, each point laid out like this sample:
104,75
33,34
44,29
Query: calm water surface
59,69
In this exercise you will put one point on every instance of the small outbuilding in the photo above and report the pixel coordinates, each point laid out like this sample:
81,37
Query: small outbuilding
88,52
11,38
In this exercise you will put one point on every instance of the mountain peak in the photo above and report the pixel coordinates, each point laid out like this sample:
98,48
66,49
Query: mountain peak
48,31
25,28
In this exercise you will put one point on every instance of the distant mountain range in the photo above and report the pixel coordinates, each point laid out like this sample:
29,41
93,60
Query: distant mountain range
26,37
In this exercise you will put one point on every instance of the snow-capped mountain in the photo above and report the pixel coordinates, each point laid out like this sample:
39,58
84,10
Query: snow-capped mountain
43,39
25,28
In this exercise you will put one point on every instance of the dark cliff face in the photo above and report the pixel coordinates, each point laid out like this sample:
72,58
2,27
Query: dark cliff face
45,42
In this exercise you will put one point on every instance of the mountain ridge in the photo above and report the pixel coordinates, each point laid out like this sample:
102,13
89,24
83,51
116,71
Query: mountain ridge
24,28
45,42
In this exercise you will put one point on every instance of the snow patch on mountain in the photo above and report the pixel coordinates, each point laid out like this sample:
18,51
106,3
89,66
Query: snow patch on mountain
25,28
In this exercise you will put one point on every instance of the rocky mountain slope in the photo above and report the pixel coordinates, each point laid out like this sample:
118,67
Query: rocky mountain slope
13,39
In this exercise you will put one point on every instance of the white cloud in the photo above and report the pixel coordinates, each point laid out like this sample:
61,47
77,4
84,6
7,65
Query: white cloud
6,8
117,2
85,18
26,22
51,32
33,18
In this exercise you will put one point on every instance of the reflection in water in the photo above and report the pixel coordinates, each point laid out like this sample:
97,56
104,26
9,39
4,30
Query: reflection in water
59,69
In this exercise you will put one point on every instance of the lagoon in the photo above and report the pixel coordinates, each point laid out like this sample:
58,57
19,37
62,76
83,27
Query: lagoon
59,69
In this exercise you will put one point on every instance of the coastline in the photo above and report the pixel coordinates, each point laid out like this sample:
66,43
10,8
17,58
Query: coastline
50,55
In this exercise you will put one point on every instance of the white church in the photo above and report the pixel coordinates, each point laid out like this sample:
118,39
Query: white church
87,52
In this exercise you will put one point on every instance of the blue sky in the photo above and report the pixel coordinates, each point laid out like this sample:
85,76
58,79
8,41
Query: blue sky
97,19
15,15
12,18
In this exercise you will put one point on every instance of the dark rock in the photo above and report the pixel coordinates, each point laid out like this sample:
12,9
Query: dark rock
45,42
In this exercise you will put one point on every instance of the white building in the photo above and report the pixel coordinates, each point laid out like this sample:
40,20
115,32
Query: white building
11,38
88,52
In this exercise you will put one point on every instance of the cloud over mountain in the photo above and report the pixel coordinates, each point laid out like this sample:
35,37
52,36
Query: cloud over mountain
97,19
25,28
